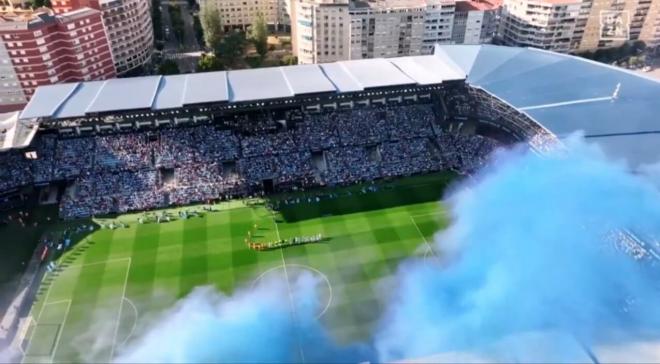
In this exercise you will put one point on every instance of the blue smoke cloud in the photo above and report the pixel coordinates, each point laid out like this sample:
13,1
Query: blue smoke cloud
253,326
529,252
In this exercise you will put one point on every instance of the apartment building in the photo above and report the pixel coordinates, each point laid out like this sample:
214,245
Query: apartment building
128,25
438,24
63,6
475,22
321,30
609,23
39,47
241,13
579,25
386,28
545,24
129,28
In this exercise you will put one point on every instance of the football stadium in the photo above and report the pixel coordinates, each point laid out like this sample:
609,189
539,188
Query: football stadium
119,198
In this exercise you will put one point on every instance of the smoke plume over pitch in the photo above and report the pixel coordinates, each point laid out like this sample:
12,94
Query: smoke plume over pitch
529,251
253,326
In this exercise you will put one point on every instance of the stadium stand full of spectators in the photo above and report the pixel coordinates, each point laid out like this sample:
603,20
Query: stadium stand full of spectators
140,170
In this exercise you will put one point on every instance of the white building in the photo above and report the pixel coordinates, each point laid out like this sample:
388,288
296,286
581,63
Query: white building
475,22
438,24
545,24
386,28
129,29
333,30
241,13
320,31
639,20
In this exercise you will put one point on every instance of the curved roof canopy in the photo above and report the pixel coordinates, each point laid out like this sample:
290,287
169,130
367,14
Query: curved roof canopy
170,92
614,107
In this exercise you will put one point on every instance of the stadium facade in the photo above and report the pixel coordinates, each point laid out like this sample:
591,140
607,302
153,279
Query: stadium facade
136,144
520,91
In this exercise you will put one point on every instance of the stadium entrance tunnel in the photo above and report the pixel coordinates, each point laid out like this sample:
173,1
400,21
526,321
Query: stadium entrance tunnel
268,185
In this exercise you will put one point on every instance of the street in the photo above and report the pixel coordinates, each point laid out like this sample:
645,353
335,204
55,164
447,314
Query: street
185,54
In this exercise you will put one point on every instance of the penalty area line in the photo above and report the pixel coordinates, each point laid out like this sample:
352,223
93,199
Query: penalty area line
61,330
121,307
429,247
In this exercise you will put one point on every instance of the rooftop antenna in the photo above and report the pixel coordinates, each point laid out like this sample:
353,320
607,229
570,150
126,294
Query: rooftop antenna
615,95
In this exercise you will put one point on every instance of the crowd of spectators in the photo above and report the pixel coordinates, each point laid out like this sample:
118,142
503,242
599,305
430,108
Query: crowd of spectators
73,157
15,171
400,158
42,166
142,170
123,152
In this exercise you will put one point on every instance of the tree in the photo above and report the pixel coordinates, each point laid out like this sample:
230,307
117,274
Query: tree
638,45
177,21
231,48
289,60
156,20
212,25
209,62
40,3
168,67
259,35
199,31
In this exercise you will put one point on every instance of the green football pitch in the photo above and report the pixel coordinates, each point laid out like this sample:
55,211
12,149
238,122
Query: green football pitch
114,280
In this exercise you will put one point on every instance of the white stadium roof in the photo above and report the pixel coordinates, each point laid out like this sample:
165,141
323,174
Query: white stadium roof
74,105
51,98
341,78
307,79
203,88
427,70
168,92
125,94
258,84
378,72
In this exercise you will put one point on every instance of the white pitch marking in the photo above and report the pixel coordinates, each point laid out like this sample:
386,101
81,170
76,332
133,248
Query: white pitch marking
121,306
325,278
423,237
97,263
438,213
56,302
50,287
36,322
288,285
137,314
291,302
59,334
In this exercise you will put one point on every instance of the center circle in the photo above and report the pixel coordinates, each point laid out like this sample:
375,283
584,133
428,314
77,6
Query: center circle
300,267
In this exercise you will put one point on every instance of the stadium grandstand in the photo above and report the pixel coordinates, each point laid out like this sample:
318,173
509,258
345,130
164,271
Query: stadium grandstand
106,153
149,142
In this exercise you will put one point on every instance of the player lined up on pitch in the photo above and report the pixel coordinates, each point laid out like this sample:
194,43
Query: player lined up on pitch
281,243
